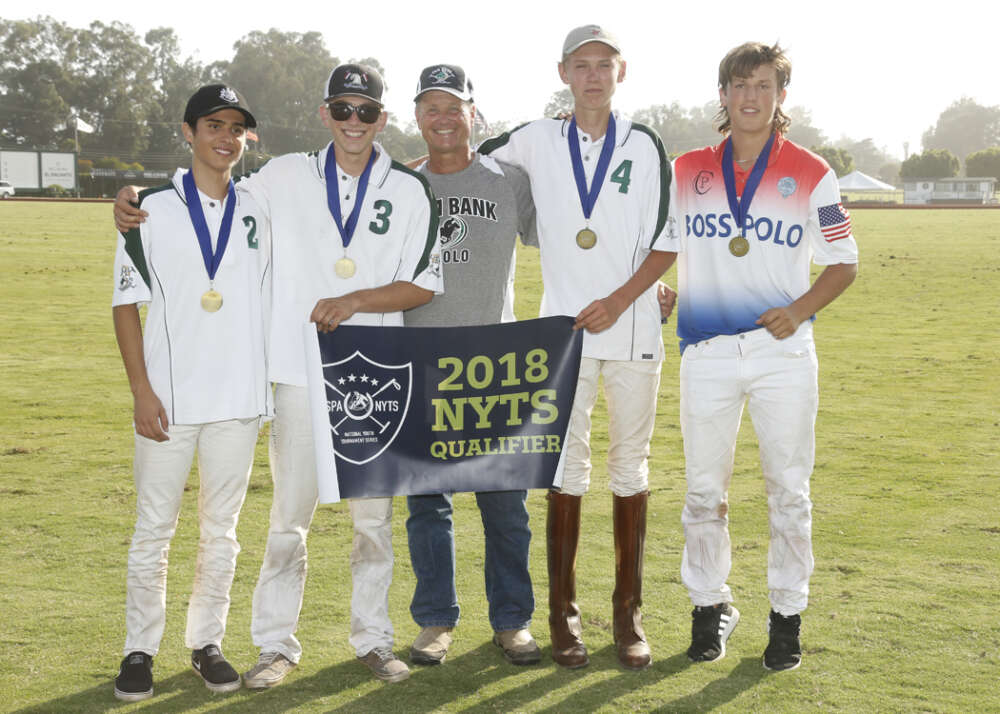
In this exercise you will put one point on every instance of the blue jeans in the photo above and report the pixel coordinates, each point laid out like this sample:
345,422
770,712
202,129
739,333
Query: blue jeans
432,552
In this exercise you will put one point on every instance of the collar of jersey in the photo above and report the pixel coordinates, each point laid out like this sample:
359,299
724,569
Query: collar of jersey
380,170
178,183
779,143
623,128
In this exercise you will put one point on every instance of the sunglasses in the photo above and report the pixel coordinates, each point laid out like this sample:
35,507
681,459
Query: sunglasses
367,113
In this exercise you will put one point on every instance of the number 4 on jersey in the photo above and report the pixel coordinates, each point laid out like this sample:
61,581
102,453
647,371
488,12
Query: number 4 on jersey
621,175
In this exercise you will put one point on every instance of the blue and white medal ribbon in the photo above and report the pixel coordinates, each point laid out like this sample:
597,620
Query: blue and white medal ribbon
345,267
740,207
586,238
211,300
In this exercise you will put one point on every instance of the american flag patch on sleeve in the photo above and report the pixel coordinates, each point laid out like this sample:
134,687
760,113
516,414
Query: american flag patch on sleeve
835,222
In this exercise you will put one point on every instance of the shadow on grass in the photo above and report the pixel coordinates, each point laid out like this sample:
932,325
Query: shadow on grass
435,688
589,689
185,691
180,691
744,676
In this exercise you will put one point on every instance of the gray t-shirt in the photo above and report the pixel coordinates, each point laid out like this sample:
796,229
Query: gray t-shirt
483,208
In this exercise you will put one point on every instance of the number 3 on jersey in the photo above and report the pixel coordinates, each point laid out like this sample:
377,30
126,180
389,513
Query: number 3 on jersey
381,223
621,175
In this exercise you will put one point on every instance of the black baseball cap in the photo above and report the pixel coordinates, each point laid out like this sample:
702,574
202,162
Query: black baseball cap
213,97
354,80
446,78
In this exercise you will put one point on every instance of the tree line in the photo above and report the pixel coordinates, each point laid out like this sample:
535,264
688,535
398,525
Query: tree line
57,81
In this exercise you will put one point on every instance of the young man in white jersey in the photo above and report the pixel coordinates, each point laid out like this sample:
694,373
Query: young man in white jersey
600,184
484,205
198,378
379,256
751,214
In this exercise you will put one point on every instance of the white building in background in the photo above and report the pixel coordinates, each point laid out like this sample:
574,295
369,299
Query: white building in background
949,190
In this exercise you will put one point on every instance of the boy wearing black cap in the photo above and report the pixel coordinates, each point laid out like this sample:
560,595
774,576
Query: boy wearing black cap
202,263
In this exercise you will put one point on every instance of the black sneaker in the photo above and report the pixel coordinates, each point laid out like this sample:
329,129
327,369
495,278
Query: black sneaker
218,674
783,650
135,677
710,628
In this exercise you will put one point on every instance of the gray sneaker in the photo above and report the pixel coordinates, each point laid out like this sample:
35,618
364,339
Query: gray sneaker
431,645
271,668
518,646
385,665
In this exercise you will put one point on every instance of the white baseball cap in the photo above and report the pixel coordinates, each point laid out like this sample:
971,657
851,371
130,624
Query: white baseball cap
580,36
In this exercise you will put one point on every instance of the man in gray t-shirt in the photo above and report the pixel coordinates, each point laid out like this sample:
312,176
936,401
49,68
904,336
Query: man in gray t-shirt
484,204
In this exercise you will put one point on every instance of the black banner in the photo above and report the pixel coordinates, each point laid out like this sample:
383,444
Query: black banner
417,410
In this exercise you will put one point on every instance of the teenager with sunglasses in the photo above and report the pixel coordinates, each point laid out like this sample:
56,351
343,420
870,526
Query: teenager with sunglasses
328,274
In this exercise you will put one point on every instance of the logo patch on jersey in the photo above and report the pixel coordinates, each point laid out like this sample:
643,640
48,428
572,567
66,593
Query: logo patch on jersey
228,95
787,186
368,403
453,231
703,182
441,75
434,265
355,80
127,279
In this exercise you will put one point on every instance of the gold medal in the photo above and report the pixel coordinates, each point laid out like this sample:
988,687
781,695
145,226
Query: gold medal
211,301
586,239
345,267
739,246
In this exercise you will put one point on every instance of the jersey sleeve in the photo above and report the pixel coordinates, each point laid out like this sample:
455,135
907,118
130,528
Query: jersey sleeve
509,147
131,270
829,226
257,183
672,231
657,200
421,259
521,186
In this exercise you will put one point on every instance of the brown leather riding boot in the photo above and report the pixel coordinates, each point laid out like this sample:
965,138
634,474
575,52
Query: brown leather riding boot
630,540
563,536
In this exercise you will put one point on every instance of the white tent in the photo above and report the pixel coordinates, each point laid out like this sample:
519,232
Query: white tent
857,181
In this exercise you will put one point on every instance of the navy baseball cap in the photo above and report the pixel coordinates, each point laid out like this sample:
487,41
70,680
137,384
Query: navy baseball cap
213,97
447,78
354,80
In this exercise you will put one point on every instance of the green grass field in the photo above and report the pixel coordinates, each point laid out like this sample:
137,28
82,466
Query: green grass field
903,614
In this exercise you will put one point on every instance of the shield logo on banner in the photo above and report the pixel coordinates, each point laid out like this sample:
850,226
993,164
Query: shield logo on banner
367,404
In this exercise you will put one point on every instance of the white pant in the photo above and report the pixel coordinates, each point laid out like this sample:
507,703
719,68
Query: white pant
277,599
778,380
631,391
225,456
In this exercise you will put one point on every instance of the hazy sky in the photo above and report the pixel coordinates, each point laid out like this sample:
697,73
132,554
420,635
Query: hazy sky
879,69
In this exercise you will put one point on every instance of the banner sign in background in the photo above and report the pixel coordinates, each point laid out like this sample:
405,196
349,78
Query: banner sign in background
417,410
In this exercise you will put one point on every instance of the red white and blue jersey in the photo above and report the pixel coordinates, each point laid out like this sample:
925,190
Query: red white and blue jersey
795,217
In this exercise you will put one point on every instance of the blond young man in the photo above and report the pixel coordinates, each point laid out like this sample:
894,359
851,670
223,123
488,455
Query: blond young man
600,184
751,214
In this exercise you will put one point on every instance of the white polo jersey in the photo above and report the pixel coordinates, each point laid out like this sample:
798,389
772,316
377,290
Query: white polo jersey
628,218
395,239
795,217
204,366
